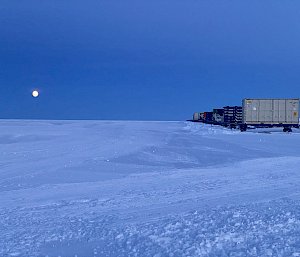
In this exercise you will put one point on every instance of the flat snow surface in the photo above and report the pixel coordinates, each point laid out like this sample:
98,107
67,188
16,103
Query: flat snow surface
104,188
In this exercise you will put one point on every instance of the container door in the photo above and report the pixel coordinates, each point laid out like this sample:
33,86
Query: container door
282,111
279,111
292,111
295,114
265,111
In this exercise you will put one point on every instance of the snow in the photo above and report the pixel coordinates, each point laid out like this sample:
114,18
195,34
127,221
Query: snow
125,188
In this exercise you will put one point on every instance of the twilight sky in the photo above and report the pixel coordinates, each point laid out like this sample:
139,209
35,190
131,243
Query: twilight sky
144,60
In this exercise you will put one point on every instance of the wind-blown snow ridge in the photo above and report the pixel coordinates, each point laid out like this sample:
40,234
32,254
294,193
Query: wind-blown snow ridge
147,189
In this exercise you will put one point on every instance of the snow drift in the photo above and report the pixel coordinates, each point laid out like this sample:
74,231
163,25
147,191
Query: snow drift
109,188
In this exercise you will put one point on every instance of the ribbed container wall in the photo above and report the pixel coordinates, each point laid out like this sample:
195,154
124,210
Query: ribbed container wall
233,114
271,111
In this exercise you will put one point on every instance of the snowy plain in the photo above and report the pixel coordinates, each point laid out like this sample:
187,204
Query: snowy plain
120,188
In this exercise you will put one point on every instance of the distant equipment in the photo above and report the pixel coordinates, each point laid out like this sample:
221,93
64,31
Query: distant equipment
255,112
218,116
208,117
232,116
271,113
196,116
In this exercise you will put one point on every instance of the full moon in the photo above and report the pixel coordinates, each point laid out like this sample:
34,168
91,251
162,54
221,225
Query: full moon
35,93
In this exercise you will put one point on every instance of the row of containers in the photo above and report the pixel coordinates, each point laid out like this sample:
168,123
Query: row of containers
254,113
228,116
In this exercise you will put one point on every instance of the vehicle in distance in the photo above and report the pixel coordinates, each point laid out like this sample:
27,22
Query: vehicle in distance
270,113
255,113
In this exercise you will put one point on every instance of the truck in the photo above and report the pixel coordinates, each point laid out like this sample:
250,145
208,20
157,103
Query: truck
269,113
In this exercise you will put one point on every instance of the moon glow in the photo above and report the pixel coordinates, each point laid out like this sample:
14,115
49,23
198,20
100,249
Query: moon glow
35,93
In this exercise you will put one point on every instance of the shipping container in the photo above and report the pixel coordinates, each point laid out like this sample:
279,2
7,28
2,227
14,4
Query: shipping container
233,115
208,117
218,116
255,113
201,116
271,111
196,116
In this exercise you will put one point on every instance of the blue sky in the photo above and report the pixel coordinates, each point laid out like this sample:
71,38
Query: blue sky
144,60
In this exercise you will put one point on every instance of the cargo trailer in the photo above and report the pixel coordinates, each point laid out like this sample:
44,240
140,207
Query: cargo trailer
218,116
208,117
196,116
233,116
270,113
201,116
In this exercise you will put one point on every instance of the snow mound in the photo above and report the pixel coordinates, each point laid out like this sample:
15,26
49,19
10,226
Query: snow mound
91,188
